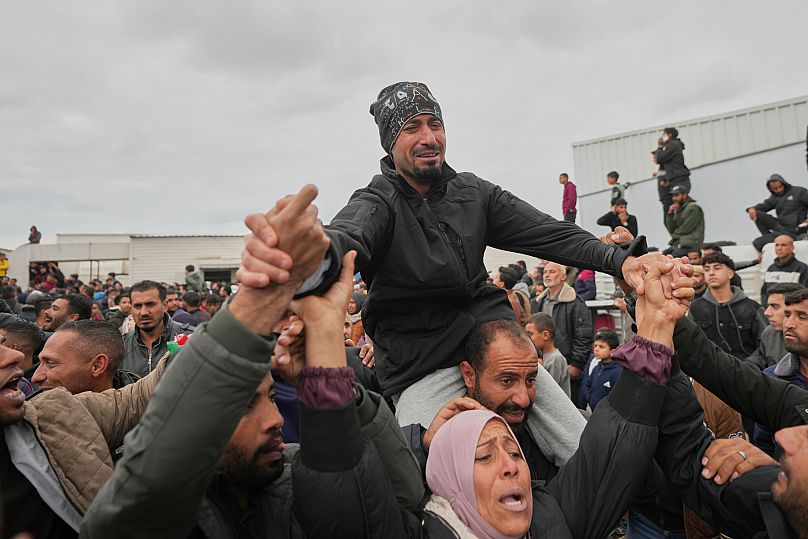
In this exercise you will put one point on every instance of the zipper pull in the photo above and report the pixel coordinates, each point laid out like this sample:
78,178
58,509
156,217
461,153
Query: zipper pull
460,246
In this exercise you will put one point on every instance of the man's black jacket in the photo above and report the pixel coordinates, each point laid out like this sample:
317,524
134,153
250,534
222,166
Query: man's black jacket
423,262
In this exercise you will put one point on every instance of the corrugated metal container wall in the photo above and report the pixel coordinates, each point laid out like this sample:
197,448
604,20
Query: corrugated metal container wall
707,140
729,156
165,258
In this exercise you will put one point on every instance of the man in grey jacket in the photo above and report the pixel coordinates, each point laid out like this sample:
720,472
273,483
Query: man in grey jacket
207,458
154,329
771,346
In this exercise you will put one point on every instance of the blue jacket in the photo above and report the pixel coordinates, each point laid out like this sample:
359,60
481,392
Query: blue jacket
598,382
787,369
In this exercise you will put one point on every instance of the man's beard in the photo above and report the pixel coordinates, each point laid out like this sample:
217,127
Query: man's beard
794,504
246,471
507,406
428,175
796,347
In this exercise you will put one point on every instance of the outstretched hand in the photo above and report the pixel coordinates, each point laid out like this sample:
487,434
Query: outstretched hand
656,312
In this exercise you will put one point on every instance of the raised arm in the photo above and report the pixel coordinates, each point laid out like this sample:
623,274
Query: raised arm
771,402
171,456
621,437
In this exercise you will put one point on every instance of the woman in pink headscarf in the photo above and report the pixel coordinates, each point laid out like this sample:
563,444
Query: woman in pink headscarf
479,478
481,483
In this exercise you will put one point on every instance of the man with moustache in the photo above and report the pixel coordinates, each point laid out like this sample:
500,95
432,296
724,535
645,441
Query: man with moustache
793,367
771,347
499,374
148,341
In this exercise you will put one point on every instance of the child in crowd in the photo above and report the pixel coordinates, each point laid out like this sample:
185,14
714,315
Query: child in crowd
618,189
601,374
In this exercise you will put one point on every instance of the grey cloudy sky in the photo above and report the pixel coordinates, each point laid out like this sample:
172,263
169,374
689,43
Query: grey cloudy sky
182,117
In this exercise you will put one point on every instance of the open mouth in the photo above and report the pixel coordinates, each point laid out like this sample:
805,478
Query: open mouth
10,390
514,501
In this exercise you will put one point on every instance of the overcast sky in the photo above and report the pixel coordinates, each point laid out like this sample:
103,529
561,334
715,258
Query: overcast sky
182,117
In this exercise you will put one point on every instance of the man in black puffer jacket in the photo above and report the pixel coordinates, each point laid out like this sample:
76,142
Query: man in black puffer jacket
791,204
672,170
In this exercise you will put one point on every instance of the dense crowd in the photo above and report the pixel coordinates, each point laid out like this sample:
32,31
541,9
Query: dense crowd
371,378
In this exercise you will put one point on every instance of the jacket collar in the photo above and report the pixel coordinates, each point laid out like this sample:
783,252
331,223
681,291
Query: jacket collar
788,366
566,295
438,189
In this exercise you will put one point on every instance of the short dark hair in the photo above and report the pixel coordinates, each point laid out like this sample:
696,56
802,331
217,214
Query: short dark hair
172,291
718,258
120,297
671,131
189,267
619,202
565,175
798,296
484,334
508,276
24,331
613,174
9,292
43,304
784,288
693,250
97,337
543,322
192,298
145,286
609,337
713,247
213,298
80,305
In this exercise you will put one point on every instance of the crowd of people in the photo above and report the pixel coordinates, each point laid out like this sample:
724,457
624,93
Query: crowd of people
371,378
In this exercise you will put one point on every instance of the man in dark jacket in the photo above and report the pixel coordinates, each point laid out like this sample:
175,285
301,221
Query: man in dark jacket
793,367
154,329
771,402
420,230
791,204
685,222
726,315
191,302
619,216
209,446
574,335
785,268
672,170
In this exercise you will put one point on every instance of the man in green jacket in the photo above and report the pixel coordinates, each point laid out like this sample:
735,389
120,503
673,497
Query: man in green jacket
207,458
685,222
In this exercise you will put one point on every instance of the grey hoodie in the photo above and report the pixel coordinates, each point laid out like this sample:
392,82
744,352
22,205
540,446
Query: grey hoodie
770,350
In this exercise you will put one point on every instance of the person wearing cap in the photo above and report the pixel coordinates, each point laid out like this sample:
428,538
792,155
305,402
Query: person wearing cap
420,229
619,216
685,222
790,202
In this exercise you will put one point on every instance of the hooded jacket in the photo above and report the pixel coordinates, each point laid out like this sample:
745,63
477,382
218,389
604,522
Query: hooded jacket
423,261
790,271
735,326
671,159
791,206
686,225
573,325
139,359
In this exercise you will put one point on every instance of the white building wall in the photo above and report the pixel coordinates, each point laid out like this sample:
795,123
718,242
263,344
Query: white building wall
707,140
165,258
92,238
